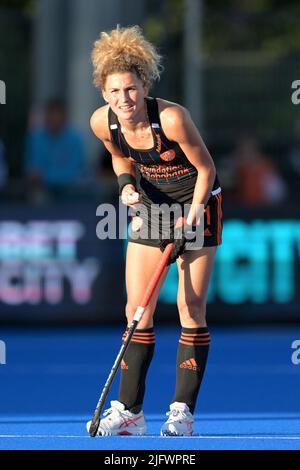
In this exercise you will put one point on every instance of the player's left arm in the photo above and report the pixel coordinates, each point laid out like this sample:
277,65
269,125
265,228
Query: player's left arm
179,126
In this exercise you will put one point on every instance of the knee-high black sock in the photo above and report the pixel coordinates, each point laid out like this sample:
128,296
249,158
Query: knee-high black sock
191,361
134,368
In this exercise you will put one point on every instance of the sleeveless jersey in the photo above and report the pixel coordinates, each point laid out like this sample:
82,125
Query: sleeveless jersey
165,163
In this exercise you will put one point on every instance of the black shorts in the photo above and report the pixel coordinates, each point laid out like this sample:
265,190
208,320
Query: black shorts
152,226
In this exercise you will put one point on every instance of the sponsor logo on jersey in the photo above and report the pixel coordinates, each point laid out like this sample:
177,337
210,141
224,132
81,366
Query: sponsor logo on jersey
168,156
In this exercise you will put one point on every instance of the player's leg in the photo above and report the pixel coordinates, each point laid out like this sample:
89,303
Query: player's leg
125,417
194,269
141,262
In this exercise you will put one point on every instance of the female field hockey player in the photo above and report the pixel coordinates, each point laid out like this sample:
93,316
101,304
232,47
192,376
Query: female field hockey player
158,157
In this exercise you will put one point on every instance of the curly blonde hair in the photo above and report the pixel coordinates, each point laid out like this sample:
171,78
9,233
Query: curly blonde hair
125,50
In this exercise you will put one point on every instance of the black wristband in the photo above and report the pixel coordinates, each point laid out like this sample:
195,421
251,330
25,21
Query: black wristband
125,178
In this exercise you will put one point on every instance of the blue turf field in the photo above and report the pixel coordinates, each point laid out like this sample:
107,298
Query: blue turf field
53,378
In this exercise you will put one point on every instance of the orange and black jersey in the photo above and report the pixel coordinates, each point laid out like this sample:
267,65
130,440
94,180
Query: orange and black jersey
165,163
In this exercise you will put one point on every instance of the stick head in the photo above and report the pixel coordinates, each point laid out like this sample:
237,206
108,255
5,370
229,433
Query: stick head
94,427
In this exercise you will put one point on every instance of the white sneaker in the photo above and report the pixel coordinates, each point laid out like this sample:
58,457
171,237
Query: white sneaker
120,422
180,421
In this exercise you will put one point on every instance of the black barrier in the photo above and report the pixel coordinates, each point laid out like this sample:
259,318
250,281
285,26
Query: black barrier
256,273
53,268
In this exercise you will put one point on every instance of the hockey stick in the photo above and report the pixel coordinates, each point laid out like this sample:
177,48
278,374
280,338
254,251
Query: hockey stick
136,319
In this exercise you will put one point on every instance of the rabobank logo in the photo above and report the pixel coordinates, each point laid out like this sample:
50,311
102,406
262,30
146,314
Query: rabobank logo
2,353
2,92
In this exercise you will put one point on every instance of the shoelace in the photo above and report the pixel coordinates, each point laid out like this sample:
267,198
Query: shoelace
176,413
112,410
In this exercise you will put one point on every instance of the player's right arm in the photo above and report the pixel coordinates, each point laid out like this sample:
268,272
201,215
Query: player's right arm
120,163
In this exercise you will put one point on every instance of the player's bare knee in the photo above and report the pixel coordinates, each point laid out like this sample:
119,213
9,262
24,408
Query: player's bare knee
146,321
194,311
130,310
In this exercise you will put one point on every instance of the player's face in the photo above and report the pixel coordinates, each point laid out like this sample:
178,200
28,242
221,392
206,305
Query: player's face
125,94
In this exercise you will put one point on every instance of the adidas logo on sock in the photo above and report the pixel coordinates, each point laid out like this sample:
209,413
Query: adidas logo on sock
124,365
190,364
